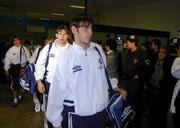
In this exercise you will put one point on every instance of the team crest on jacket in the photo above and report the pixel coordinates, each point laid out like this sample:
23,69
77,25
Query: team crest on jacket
51,55
100,63
77,68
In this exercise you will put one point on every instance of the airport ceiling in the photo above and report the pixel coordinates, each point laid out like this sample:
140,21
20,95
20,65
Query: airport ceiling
60,9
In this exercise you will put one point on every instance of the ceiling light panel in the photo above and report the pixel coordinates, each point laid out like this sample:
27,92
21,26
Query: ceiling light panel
77,6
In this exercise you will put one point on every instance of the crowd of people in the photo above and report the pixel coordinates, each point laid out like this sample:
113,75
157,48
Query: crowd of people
72,87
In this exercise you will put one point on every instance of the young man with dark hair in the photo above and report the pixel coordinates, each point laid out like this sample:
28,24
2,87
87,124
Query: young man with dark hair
80,88
47,59
113,58
132,77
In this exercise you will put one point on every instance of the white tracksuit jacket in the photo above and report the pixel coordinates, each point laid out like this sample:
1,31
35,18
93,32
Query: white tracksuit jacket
80,78
55,52
13,56
175,70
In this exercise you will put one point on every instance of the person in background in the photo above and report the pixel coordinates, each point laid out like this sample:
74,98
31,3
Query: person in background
48,40
38,97
169,84
28,45
15,59
151,58
113,62
157,82
133,77
79,94
156,45
44,69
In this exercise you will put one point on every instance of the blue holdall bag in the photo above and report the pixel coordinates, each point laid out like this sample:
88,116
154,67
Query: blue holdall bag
119,112
28,80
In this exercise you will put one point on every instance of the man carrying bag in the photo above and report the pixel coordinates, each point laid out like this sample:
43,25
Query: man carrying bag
16,58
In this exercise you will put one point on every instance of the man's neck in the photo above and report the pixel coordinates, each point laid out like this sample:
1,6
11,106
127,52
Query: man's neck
61,44
17,45
83,45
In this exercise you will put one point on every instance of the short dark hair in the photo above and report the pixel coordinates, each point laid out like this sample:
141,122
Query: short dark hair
156,42
111,43
17,37
132,39
81,18
27,42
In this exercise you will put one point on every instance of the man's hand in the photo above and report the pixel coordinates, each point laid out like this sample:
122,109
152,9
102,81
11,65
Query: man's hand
41,87
122,92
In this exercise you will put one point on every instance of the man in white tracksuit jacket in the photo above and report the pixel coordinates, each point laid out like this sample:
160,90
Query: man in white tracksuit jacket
16,55
51,52
39,104
80,89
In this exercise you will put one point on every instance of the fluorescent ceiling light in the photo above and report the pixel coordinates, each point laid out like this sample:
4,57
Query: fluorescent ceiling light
57,14
77,6
43,18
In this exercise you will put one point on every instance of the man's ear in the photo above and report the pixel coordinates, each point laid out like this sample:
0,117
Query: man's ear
56,35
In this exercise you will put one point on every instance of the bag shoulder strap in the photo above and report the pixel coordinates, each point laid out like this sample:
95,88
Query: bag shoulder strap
106,72
20,53
22,48
47,60
38,54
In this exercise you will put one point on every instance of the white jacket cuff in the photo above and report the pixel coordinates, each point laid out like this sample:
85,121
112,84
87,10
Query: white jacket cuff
114,82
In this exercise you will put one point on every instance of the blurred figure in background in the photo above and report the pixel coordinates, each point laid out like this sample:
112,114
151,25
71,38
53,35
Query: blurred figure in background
113,58
37,96
169,83
16,58
157,82
133,77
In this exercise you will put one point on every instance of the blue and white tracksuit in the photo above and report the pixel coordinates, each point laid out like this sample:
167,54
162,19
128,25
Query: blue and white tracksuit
13,56
16,55
79,81
55,53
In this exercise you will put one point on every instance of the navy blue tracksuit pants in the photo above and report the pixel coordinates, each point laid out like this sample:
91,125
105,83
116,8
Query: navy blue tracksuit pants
71,120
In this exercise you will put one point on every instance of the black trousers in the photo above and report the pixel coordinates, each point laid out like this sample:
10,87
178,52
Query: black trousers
154,107
134,89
